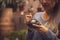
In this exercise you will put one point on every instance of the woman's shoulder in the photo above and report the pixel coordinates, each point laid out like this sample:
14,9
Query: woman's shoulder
37,15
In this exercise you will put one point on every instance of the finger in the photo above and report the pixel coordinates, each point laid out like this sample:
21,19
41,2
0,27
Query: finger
36,25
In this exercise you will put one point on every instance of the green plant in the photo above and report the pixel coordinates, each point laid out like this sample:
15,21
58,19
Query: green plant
13,35
20,35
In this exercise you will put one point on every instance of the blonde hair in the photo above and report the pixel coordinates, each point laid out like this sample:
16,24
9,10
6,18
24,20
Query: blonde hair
53,23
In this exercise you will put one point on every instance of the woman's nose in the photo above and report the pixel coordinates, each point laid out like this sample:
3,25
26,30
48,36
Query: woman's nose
45,2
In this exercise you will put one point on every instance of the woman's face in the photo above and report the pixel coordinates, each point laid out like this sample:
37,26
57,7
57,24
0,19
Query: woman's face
48,4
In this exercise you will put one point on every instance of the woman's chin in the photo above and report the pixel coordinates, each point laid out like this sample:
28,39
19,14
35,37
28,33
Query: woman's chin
47,9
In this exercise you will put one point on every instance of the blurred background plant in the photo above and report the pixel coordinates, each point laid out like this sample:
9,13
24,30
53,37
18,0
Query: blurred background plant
6,3
14,35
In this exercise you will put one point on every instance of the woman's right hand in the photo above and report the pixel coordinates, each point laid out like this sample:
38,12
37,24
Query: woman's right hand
41,28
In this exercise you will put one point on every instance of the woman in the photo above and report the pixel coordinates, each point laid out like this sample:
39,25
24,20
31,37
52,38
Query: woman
48,20
51,14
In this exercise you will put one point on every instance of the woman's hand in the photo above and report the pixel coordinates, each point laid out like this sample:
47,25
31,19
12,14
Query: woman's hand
41,28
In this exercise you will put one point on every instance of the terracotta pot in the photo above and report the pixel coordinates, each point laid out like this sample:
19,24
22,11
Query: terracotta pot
6,22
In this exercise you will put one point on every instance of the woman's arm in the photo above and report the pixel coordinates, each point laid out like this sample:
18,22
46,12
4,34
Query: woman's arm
46,33
50,35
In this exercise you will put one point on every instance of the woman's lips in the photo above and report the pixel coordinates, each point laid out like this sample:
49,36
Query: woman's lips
45,5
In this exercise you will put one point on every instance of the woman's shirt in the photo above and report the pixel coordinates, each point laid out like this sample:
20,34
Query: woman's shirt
38,17
51,23
38,35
